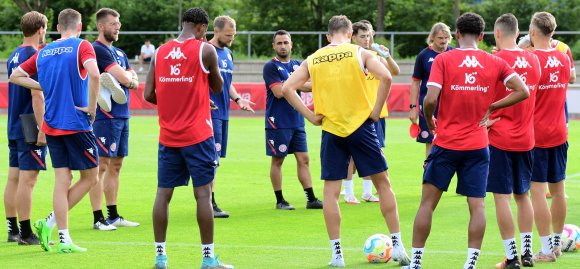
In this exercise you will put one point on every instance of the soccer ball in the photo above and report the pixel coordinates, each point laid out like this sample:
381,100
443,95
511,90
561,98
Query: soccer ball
377,248
570,238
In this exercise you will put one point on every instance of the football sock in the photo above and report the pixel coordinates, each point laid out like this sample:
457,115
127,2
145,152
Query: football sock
160,248
12,225
336,249
417,256
207,250
546,244
348,188
51,220
367,186
279,196
25,229
511,249
397,242
213,199
526,247
557,239
112,212
309,194
472,256
64,236
97,215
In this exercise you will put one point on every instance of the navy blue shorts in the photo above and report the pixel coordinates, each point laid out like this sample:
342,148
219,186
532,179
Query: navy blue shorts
363,145
424,135
509,171
112,137
76,151
281,142
177,165
381,127
550,164
471,167
220,134
26,156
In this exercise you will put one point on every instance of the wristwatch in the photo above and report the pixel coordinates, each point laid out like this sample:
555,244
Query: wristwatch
411,106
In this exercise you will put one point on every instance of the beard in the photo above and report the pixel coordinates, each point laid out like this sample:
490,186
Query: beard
223,44
110,37
283,54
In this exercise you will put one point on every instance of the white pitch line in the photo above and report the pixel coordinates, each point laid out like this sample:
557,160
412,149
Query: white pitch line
453,252
573,176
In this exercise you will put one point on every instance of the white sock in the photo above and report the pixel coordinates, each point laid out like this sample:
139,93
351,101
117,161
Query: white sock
546,244
336,250
348,188
526,247
207,250
472,256
64,236
51,220
557,240
397,241
511,249
417,255
367,186
160,248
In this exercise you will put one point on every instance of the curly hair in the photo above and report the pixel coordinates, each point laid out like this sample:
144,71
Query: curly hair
195,15
470,23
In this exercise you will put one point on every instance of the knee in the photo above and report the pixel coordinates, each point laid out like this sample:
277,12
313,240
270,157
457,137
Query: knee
304,160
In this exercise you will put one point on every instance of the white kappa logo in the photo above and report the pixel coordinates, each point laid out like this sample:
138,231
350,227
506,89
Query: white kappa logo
175,70
521,62
15,58
91,151
103,140
553,62
431,59
470,62
470,77
175,54
38,152
272,119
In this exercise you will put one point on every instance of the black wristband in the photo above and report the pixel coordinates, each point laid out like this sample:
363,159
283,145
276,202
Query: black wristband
412,106
237,99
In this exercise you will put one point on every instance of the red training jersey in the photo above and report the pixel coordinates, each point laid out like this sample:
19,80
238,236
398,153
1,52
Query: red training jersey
549,117
515,130
467,79
181,84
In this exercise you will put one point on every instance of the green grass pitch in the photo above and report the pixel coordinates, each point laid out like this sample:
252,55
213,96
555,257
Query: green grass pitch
256,235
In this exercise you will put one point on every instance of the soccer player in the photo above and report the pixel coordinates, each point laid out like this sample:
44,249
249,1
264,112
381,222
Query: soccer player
111,126
511,140
26,160
224,28
67,63
550,152
186,144
284,125
438,42
338,73
466,79
362,35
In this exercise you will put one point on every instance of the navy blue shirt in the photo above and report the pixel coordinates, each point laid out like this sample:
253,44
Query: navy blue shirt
423,68
222,100
19,98
108,57
279,113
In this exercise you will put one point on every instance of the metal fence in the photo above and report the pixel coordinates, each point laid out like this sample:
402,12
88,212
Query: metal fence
320,35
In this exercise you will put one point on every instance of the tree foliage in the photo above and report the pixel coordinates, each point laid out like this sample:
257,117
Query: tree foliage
293,15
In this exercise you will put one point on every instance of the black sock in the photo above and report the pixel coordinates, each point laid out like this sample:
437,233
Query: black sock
279,196
98,215
213,199
12,225
25,229
112,212
310,194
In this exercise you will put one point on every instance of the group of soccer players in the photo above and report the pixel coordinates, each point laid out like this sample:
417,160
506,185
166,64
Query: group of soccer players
509,139
511,136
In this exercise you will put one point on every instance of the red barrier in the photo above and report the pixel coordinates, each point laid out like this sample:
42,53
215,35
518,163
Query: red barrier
256,92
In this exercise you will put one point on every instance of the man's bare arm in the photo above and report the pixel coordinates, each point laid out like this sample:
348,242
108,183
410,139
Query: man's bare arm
20,78
210,62
149,91
378,70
